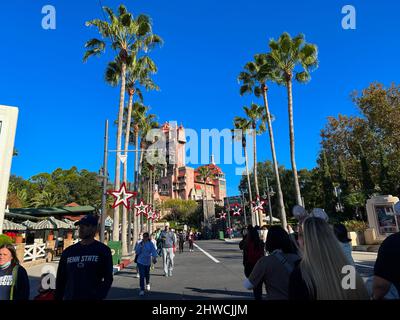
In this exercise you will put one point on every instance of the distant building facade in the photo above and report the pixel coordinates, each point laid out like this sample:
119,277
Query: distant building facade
179,181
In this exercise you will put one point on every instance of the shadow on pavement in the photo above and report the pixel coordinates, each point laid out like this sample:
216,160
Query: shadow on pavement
224,292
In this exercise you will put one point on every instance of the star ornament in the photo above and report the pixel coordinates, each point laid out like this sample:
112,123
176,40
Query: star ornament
122,196
156,215
222,215
258,204
236,210
141,208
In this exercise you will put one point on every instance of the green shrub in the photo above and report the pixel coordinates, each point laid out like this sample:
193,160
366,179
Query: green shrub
5,239
356,226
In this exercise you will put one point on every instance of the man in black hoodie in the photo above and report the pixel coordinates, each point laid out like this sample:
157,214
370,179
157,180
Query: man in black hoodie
85,271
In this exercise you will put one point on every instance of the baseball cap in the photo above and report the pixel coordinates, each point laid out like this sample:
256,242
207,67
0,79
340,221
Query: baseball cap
89,220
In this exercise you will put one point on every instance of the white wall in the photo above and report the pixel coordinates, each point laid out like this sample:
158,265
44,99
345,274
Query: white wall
8,125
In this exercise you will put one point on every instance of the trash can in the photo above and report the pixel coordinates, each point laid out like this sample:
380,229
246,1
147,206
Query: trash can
116,248
221,235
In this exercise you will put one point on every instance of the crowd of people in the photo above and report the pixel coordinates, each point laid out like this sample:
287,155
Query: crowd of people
311,261
305,262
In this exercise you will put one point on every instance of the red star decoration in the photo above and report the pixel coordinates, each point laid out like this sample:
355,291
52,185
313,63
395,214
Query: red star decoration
141,208
122,196
236,210
258,204
222,215
155,216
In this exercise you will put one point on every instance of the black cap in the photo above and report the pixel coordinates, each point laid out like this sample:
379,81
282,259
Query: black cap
89,220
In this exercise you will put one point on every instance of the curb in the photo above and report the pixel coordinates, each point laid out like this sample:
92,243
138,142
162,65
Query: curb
123,264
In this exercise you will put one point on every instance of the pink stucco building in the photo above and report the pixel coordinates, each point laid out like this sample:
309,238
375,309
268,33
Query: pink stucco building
179,181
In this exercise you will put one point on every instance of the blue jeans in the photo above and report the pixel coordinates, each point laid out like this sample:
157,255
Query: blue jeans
144,272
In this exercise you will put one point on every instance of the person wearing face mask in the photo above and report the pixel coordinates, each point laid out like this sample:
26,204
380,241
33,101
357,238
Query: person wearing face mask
14,281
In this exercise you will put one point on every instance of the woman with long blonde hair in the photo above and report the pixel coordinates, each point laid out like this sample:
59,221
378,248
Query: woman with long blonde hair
321,274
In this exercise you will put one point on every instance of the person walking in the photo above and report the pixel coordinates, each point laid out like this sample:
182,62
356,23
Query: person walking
344,241
191,238
274,270
135,261
319,275
146,253
181,240
253,250
168,243
14,281
153,238
85,271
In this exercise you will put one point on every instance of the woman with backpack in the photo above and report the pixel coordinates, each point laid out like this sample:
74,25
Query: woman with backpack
14,281
253,250
274,270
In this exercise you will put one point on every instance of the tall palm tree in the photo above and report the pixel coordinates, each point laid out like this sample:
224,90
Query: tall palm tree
204,174
256,118
129,36
242,126
254,81
146,123
138,71
286,54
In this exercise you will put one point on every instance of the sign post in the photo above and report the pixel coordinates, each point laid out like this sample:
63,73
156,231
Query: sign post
8,126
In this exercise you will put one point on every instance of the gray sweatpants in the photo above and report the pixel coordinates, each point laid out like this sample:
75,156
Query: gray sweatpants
168,259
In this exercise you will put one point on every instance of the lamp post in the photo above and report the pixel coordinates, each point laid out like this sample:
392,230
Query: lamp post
104,176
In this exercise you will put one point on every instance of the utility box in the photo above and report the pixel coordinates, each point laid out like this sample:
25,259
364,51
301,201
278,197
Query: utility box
116,251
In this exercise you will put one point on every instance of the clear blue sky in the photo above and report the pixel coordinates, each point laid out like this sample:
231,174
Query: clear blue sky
63,102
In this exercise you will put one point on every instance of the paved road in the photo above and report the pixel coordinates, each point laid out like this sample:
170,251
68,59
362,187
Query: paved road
197,276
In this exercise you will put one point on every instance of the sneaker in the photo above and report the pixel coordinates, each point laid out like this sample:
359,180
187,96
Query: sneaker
148,287
137,275
141,293
165,274
170,274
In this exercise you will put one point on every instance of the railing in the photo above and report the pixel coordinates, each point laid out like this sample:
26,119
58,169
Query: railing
34,251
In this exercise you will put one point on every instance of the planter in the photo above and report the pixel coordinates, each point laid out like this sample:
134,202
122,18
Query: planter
361,237
18,239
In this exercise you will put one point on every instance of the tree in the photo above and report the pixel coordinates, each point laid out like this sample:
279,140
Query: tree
138,71
129,36
328,187
256,119
286,54
241,126
254,80
180,209
205,173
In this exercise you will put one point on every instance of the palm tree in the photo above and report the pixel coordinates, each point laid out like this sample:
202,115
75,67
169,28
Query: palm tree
286,54
137,74
255,114
129,36
242,126
254,80
204,174
146,123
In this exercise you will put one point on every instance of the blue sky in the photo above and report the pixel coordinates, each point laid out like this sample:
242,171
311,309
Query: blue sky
63,102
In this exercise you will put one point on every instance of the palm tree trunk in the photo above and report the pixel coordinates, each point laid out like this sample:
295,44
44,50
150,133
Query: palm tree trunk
119,140
253,220
126,229
281,204
258,213
291,136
